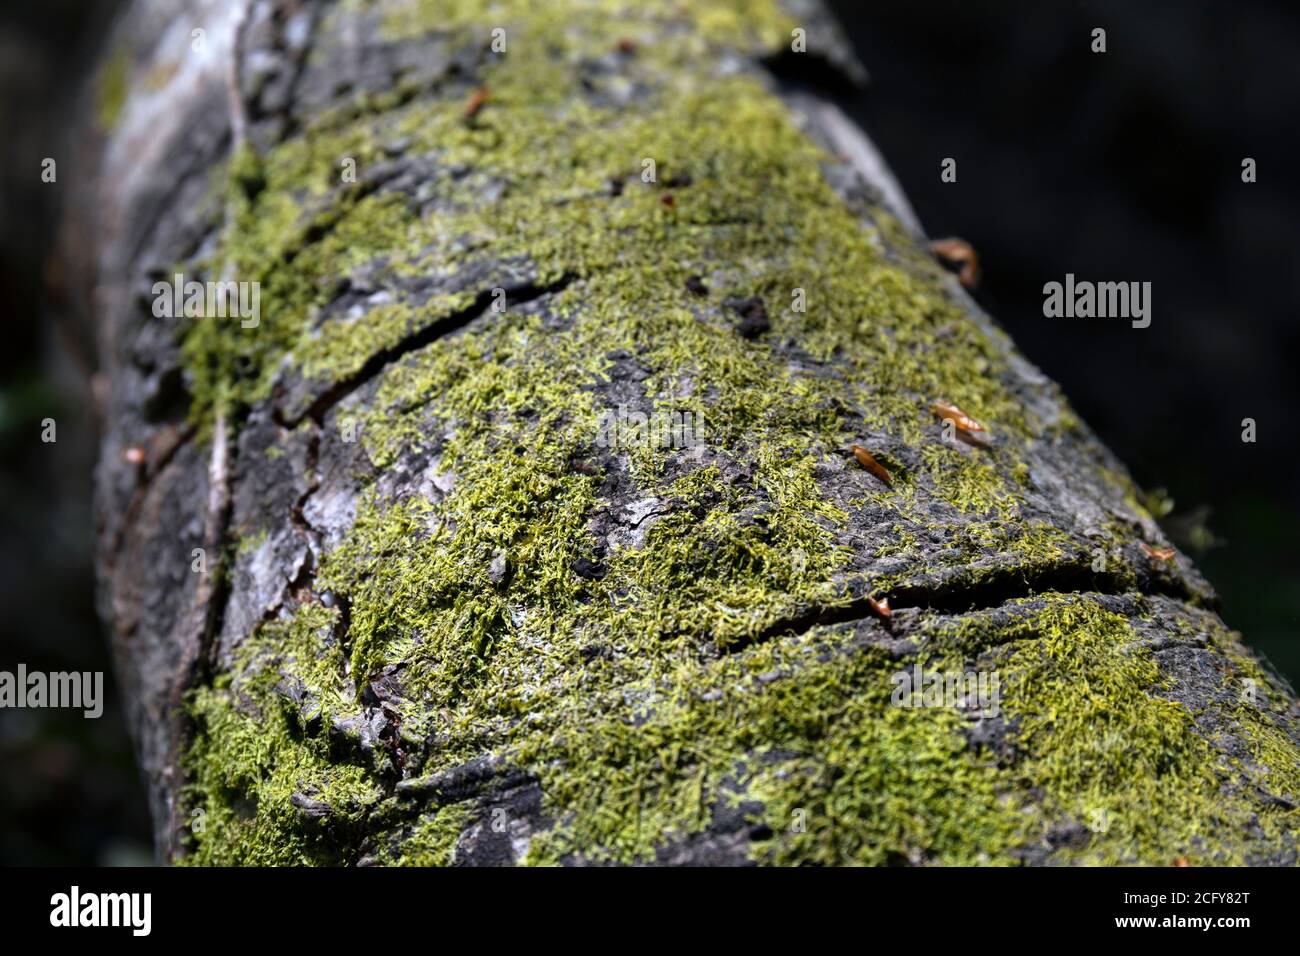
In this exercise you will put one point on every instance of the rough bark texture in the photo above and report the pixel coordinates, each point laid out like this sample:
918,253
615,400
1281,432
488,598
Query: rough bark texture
449,614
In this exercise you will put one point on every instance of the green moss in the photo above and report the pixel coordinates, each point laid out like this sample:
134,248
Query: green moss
253,752
1262,712
645,699
111,88
1110,751
432,841
557,152
966,482
251,542
873,783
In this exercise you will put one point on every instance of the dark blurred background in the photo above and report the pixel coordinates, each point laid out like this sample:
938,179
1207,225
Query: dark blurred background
1119,166
69,792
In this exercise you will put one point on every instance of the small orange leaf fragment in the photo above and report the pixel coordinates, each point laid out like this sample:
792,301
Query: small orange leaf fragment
476,101
946,410
1158,554
960,251
868,461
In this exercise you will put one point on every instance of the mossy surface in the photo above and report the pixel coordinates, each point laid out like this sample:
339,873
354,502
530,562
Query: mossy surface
111,86
626,626
257,754
1110,749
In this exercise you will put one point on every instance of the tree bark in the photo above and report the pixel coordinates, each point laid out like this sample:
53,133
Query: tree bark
525,523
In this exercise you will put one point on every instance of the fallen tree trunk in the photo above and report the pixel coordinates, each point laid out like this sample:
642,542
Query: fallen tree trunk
514,513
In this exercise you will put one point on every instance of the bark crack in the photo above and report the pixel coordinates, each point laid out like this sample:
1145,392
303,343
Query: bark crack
426,335
956,596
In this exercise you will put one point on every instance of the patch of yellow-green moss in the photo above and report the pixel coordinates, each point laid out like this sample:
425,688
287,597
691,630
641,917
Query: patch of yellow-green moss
756,219
644,697
111,88
432,840
1104,754
695,29
757,207
251,542
253,752
1261,707
869,782
1108,750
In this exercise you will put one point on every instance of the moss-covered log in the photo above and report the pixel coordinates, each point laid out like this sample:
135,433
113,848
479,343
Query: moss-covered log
524,525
